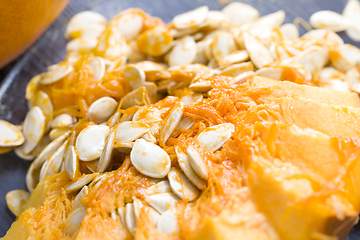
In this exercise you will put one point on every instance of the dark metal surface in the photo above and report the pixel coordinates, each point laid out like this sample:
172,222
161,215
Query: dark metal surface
50,49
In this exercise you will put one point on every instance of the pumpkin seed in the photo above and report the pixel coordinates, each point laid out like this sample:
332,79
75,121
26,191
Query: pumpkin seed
105,157
162,202
134,75
53,165
168,223
91,141
259,54
186,167
213,138
80,182
33,129
171,121
191,19
181,185
352,14
16,200
160,187
71,162
56,73
130,131
329,20
102,109
149,159
10,136
184,52
240,13
74,220
130,218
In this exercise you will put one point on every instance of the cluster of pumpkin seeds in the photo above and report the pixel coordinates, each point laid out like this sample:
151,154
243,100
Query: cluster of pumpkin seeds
158,61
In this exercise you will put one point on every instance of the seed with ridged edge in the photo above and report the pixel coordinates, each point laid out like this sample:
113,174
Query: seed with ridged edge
150,159
181,185
212,138
91,142
10,135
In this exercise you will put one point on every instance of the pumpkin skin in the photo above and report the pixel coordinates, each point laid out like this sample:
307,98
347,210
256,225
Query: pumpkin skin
22,22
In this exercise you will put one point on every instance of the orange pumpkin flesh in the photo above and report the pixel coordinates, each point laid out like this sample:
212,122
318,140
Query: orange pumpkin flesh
284,175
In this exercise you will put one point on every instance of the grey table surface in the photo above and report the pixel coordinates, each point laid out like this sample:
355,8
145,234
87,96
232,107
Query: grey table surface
50,49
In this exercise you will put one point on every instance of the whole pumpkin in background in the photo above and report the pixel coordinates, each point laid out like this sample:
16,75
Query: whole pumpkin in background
22,22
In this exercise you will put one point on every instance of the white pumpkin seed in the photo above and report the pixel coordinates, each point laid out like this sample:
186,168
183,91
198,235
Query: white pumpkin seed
234,57
134,75
151,214
273,20
181,185
129,25
160,187
155,42
259,54
313,59
56,73
222,45
102,109
91,141
16,200
270,72
71,162
162,202
19,151
33,129
124,147
122,213
74,220
168,223
186,167
337,84
62,121
80,182
240,13
82,45
50,150
149,159
130,131
201,86
192,18
185,123
345,57
130,218
105,157
85,24
77,201
10,135
352,13
43,101
212,138
170,122
197,163
242,77
136,97
97,67
57,132
53,164
184,52
289,31
191,98
236,69
330,20
200,56
216,19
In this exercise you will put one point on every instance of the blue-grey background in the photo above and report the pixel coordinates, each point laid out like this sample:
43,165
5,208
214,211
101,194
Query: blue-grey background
50,49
